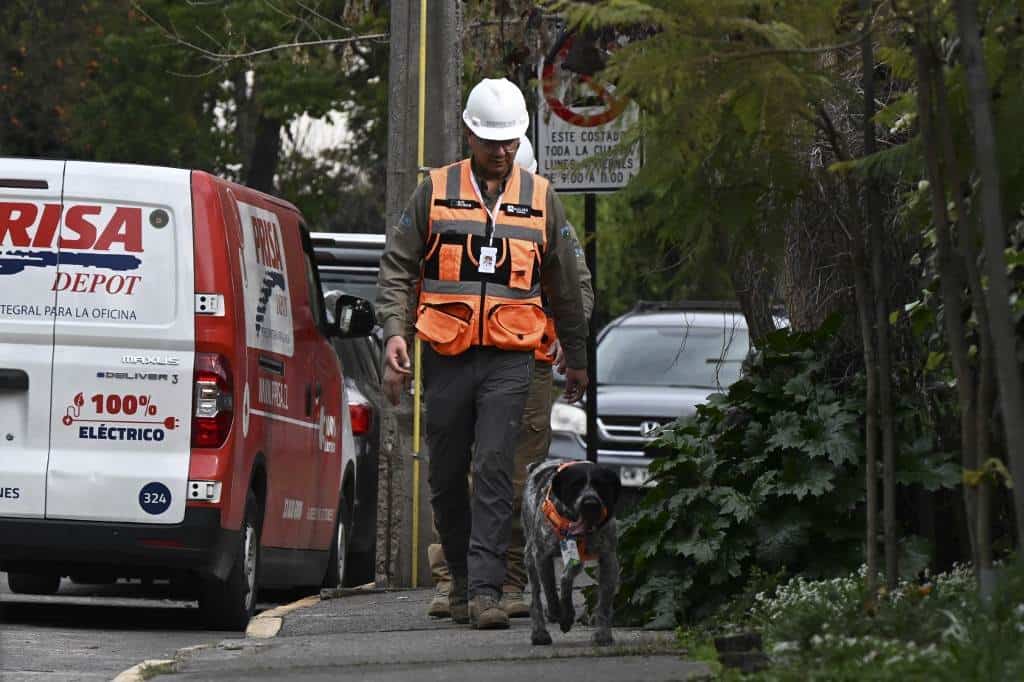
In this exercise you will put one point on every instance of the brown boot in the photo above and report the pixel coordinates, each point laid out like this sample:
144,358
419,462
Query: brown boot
458,603
485,614
513,604
439,606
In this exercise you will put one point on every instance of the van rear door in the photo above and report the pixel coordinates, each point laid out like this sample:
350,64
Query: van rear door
124,343
30,198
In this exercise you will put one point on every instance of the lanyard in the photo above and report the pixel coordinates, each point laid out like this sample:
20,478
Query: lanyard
490,214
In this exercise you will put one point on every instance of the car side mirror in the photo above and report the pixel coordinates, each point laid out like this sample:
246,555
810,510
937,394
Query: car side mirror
353,317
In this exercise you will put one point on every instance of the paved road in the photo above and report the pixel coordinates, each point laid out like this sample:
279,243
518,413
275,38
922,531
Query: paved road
90,632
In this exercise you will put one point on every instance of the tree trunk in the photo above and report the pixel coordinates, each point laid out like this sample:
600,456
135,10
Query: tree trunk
951,281
1004,340
264,155
977,500
754,284
864,313
880,285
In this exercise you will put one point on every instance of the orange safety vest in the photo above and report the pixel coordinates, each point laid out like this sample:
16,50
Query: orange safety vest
460,304
549,336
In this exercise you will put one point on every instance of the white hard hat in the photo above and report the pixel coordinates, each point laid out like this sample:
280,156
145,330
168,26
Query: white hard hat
496,110
524,156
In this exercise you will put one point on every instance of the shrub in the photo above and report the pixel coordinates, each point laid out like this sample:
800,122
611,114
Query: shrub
767,475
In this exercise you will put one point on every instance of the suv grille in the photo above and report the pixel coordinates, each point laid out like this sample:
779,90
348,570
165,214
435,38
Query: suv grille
629,436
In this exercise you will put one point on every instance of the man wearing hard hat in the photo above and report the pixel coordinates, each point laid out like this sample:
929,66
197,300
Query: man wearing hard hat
478,243
532,446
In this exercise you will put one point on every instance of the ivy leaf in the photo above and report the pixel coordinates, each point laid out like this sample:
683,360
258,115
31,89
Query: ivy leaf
935,360
786,427
802,478
732,503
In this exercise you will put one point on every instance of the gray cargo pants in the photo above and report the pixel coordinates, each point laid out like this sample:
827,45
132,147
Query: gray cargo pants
474,404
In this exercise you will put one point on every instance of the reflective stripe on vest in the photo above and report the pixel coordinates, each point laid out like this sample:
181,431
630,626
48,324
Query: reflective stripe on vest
460,306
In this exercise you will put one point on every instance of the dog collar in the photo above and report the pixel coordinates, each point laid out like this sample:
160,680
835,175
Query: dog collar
565,527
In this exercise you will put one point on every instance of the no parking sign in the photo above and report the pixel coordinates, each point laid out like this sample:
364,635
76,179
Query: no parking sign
579,118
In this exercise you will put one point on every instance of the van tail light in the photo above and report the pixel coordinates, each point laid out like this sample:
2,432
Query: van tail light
212,405
361,416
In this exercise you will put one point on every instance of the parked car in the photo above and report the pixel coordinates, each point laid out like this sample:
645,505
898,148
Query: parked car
655,364
171,401
348,263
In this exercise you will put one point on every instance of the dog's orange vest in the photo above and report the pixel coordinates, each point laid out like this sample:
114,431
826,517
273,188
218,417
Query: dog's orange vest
462,304
567,528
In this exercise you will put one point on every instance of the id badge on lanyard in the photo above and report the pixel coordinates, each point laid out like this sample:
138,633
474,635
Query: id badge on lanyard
489,253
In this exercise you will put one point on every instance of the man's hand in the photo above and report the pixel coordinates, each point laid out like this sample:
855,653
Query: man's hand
396,369
397,355
575,384
394,385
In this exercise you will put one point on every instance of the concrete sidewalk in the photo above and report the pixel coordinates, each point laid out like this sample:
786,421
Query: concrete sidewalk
387,636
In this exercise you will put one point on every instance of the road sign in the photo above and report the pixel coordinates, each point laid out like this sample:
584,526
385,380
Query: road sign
581,118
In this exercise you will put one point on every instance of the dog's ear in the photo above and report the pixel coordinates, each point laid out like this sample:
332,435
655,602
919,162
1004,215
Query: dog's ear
607,484
567,484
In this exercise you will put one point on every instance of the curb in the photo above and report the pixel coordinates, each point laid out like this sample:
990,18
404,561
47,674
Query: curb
268,623
145,670
264,625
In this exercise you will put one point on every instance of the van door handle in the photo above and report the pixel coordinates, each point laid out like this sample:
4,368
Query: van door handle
13,380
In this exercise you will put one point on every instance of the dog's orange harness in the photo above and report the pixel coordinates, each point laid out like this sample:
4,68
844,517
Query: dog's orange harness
567,528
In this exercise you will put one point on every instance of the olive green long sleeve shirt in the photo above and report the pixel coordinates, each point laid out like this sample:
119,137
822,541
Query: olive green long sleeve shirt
401,264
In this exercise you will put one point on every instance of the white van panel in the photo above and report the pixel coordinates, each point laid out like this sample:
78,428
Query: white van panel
124,344
28,261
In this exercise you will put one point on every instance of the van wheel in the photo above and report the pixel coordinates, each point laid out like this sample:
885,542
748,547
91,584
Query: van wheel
228,605
337,559
359,568
30,583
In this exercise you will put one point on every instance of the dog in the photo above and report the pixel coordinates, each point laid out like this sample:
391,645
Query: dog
568,509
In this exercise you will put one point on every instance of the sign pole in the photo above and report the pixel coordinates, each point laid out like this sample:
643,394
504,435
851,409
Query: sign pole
590,251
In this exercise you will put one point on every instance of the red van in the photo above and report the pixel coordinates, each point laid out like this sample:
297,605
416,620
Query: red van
170,403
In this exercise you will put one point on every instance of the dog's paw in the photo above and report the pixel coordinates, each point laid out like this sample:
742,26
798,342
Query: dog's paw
603,638
540,638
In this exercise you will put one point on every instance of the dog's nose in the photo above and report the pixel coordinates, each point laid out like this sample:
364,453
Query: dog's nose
591,502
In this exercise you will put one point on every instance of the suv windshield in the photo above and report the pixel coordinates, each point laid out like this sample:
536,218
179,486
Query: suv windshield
690,356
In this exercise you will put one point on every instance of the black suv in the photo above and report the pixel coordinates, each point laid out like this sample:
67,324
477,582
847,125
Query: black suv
348,263
655,364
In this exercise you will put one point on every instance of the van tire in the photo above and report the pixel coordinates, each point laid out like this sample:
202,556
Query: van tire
229,604
31,583
338,555
359,568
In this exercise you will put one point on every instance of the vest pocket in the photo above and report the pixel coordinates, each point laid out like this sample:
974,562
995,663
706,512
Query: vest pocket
516,326
447,326
449,262
522,256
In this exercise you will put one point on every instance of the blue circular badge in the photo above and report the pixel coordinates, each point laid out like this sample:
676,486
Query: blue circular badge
154,498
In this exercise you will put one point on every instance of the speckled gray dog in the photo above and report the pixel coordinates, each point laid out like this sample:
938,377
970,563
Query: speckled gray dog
570,501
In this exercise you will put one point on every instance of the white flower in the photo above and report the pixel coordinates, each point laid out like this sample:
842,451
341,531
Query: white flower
783,647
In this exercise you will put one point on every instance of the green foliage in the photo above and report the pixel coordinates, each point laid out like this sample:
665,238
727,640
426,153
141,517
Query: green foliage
141,82
728,94
935,629
767,476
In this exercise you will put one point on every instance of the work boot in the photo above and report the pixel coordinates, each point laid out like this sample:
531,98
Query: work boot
485,614
439,607
458,601
512,603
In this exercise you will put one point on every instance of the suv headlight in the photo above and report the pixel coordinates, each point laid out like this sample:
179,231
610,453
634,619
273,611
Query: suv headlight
569,418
